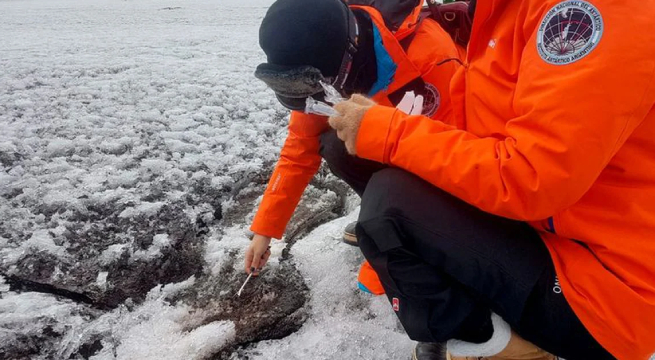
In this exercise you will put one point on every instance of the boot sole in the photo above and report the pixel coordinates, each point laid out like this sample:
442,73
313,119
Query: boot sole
350,239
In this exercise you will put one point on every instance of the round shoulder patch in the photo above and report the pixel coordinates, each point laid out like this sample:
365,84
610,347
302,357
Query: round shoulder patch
569,32
431,101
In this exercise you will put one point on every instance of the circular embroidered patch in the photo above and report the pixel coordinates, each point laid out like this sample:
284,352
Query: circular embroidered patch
569,32
431,101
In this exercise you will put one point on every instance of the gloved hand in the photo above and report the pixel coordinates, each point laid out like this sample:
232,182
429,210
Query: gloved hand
350,117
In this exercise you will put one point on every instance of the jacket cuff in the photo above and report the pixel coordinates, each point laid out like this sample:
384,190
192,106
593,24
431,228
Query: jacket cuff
267,227
373,133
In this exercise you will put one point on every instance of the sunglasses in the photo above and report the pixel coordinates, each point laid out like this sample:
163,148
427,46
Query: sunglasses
293,85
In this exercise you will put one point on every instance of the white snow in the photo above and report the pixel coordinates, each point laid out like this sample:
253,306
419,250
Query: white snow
113,253
159,242
158,330
106,102
39,241
153,330
198,343
3,286
101,280
145,208
106,99
345,323
27,311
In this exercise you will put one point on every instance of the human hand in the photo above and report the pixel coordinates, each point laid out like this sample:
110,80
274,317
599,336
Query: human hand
350,117
257,254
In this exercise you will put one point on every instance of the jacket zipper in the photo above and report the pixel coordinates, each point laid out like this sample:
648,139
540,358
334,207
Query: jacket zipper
472,46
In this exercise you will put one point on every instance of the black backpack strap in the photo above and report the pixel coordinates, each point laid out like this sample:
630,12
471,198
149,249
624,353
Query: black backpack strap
453,17
394,12
409,38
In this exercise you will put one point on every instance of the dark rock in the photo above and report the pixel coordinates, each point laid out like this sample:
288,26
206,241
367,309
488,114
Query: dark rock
271,305
9,158
89,349
128,276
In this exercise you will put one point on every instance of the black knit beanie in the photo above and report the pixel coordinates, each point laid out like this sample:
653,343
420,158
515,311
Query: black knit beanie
306,32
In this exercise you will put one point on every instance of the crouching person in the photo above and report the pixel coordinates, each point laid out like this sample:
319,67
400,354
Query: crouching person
355,48
534,223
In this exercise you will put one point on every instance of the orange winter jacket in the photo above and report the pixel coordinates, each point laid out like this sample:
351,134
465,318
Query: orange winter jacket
427,58
556,105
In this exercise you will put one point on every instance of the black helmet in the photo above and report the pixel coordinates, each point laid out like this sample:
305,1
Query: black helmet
306,41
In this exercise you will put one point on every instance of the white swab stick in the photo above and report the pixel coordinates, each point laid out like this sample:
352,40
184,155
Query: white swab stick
244,284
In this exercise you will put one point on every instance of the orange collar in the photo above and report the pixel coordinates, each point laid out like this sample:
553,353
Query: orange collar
405,71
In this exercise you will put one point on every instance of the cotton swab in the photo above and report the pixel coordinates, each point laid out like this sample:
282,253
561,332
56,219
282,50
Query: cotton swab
244,284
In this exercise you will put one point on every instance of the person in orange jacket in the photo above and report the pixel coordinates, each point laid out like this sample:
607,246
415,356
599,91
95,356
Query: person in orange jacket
537,217
358,50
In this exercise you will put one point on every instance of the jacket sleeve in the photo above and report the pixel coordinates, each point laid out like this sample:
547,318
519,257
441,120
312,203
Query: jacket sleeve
299,161
570,121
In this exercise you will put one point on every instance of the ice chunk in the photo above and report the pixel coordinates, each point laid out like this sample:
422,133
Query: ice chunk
101,280
145,208
112,253
159,242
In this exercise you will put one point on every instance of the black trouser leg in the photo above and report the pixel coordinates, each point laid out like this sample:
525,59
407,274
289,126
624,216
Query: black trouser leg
448,263
563,332
355,171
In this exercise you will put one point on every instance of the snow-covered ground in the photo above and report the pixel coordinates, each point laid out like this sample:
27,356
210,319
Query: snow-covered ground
134,144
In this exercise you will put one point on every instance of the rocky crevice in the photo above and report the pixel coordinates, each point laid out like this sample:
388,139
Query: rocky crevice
271,307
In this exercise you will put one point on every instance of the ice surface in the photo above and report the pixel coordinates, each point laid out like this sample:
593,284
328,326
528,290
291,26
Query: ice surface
158,330
118,118
345,323
32,315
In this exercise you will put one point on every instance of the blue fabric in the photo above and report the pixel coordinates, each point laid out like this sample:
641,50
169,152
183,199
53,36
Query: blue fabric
551,224
363,288
386,66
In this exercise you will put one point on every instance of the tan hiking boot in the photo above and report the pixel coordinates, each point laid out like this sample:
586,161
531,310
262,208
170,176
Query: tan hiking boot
504,344
517,349
521,349
450,357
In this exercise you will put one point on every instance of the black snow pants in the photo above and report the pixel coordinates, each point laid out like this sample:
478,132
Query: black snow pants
445,265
